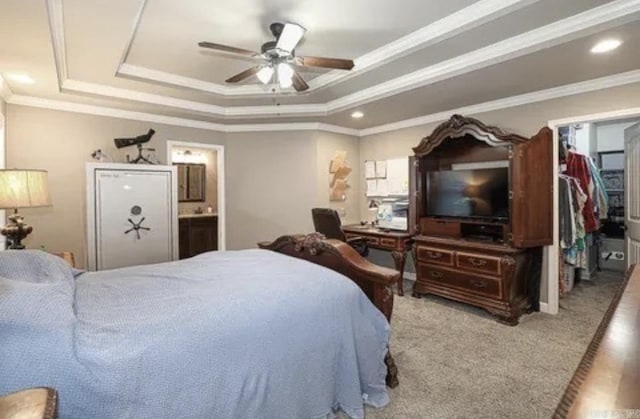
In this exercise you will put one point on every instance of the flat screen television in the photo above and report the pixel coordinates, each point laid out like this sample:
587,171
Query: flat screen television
477,193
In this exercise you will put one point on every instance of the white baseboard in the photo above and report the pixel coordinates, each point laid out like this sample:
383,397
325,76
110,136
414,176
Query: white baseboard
544,308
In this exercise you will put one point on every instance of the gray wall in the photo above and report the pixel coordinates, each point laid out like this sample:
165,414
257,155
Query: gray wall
271,185
61,142
272,178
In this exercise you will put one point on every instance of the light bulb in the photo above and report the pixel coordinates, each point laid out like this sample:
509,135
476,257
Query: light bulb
285,75
606,46
290,36
265,74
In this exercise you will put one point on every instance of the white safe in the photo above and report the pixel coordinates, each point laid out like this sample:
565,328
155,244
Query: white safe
132,215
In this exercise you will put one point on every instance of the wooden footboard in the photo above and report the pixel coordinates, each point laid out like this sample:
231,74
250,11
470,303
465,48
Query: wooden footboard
374,280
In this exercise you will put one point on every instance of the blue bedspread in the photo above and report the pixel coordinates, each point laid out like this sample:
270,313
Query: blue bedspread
245,334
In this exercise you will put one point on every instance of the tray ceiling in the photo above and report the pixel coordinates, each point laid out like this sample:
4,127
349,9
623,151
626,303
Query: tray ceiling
412,58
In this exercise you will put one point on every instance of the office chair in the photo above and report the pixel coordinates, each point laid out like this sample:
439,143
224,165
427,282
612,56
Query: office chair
327,222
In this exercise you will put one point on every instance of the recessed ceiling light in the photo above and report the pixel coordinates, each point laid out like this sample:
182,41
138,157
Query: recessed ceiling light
20,78
357,115
606,45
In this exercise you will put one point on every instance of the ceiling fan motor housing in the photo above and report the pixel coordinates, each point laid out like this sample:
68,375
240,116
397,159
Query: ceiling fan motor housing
276,29
268,46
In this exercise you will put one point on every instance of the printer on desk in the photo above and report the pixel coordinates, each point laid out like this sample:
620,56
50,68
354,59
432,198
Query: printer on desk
393,214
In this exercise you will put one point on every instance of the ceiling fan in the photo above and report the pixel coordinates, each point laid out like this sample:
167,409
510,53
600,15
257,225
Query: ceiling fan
278,58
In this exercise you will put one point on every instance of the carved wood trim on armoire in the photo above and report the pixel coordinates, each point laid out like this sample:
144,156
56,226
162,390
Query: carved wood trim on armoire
488,261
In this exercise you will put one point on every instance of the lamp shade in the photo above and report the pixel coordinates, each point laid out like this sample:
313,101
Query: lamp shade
24,188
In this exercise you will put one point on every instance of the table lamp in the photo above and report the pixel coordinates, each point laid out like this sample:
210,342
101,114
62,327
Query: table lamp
20,188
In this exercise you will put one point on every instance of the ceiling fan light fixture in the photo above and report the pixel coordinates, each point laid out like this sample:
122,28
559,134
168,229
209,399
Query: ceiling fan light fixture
290,36
265,74
285,75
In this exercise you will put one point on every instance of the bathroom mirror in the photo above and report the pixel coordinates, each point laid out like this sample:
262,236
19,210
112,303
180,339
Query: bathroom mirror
191,182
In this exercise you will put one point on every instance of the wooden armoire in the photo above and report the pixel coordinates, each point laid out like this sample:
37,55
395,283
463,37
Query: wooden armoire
463,250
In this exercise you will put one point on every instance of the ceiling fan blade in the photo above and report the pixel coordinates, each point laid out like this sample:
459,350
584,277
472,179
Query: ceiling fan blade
298,82
336,63
291,34
244,75
226,48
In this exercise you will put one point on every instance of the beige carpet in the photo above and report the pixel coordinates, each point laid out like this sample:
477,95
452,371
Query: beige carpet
457,362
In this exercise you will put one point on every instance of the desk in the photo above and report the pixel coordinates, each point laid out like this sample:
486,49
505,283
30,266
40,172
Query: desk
397,242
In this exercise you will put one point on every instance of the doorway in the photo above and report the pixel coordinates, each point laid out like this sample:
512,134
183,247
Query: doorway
599,250
201,195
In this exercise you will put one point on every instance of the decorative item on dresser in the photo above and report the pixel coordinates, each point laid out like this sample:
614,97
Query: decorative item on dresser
198,234
21,189
397,242
483,202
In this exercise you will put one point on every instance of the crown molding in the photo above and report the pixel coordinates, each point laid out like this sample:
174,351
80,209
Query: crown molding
601,83
463,20
94,89
596,117
534,40
447,27
55,13
556,33
148,75
59,105
5,90
592,85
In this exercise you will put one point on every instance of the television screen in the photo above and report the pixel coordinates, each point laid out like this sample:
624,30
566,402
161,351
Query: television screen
480,193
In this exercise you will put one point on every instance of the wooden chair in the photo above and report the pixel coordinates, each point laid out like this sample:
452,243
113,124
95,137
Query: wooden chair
33,403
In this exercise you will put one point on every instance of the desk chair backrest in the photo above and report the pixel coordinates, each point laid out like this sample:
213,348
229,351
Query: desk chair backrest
326,221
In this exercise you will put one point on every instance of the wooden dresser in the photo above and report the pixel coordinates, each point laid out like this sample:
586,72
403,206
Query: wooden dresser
495,277
606,383
479,232
198,234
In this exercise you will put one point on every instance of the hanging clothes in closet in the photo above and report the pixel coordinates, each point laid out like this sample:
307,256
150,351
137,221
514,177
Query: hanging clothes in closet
583,169
573,232
583,203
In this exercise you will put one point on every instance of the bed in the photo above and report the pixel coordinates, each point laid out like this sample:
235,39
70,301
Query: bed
245,334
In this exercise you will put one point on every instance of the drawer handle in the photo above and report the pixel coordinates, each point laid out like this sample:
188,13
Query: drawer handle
479,283
434,255
477,262
435,274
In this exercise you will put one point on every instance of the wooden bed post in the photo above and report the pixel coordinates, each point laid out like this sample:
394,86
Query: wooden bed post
375,281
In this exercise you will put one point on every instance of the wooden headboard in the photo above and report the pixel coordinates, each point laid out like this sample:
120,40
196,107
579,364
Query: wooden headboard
375,281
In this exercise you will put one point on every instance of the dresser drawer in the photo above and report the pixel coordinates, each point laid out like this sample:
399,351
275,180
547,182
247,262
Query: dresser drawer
434,255
372,240
478,263
476,284
388,243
